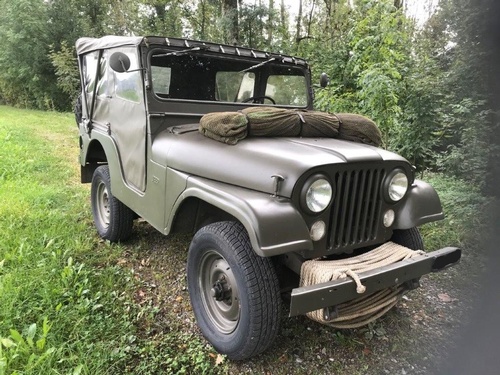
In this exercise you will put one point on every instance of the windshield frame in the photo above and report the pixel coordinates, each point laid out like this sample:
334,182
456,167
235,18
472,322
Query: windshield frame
260,65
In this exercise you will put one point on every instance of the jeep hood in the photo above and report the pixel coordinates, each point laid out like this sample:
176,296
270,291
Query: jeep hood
253,161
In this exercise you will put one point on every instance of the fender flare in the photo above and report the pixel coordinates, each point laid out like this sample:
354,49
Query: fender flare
273,224
118,185
422,205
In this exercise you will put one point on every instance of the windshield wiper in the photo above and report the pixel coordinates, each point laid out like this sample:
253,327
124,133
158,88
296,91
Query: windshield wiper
182,52
258,65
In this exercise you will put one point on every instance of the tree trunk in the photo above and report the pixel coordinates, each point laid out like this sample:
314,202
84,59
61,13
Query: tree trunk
203,19
270,21
230,12
310,19
283,14
299,23
160,11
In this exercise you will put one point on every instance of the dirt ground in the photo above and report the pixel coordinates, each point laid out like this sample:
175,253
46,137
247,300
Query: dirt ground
418,336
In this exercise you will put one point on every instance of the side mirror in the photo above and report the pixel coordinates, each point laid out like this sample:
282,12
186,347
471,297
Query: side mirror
323,79
119,62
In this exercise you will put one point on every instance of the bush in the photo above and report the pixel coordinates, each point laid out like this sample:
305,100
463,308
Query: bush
464,208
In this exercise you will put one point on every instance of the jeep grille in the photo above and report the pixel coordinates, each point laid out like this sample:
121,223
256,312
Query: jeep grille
356,207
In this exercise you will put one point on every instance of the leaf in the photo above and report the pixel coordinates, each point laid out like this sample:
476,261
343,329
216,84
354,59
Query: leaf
40,344
380,331
50,350
17,337
444,297
78,370
219,360
32,331
46,326
7,342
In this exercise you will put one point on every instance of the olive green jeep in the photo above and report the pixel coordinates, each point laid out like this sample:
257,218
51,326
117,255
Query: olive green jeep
259,209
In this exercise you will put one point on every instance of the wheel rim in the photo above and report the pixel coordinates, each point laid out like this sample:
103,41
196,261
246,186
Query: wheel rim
219,292
102,205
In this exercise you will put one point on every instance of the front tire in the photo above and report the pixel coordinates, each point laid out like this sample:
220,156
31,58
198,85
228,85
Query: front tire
410,238
112,218
234,292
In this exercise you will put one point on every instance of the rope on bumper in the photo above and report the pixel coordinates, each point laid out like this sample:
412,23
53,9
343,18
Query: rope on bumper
366,309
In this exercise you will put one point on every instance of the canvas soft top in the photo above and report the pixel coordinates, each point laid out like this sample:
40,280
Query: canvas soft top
85,45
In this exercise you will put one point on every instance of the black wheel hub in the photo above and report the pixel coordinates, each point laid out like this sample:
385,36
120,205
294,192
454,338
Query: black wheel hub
221,290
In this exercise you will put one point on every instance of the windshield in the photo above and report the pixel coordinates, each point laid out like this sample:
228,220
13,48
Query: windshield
212,78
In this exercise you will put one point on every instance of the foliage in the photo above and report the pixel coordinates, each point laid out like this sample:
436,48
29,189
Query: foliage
466,109
25,73
373,67
464,207
162,18
68,78
469,149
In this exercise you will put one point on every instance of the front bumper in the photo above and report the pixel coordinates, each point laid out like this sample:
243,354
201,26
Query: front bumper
333,293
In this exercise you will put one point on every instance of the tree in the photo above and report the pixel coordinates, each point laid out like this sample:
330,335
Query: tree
466,112
25,72
373,66
162,17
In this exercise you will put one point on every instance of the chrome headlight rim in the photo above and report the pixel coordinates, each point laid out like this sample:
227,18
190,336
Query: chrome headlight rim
394,189
317,181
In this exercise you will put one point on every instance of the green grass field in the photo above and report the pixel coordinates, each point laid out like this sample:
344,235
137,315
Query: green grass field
62,306
66,306
71,303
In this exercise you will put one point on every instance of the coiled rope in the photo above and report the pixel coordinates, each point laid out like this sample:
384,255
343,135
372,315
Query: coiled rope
366,309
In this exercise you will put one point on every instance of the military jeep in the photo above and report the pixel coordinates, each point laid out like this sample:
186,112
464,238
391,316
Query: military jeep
258,209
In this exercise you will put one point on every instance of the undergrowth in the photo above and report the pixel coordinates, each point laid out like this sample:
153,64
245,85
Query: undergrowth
466,215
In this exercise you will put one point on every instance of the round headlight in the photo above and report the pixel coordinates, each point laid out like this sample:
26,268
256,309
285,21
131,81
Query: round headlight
398,185
318,195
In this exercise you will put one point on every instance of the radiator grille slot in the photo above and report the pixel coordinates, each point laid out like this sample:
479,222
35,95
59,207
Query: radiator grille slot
356,209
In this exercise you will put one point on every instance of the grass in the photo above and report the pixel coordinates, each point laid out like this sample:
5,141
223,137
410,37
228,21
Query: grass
66,305
73,304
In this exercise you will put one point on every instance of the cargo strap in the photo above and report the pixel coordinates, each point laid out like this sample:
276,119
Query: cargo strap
365,309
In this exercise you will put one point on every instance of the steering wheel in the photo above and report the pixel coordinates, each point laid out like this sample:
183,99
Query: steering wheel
259,99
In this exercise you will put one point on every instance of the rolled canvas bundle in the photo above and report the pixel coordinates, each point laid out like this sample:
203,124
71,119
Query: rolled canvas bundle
231,127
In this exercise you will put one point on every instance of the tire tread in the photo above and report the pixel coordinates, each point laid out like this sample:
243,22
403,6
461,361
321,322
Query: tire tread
410,238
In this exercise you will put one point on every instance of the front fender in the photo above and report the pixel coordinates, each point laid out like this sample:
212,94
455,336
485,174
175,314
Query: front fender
422,205
273,224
